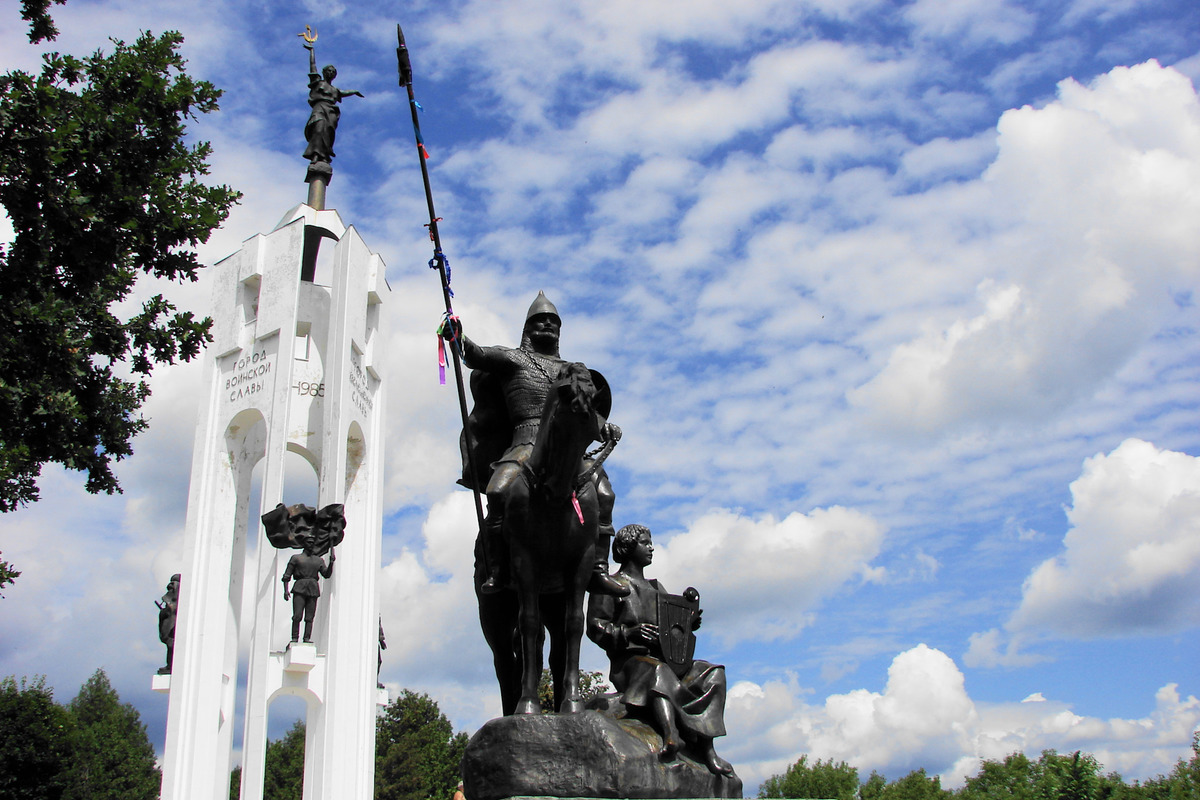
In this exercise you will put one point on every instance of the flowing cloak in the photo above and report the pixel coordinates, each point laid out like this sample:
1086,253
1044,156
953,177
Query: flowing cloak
698,697
322,123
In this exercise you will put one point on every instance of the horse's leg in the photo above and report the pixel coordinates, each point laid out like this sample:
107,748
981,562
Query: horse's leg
574,601
529,624
498,621
552,619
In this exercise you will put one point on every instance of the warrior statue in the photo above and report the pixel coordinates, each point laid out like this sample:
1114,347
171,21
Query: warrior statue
510,386
168,610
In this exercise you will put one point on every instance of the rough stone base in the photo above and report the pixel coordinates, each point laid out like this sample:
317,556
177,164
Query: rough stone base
584,755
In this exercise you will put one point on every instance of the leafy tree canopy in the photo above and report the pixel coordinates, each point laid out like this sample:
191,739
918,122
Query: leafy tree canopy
7,574
823,779
417,752
1017,777
37,14
101,187
36,741
113,758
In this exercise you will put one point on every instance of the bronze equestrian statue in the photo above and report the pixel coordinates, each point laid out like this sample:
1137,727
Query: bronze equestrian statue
549,520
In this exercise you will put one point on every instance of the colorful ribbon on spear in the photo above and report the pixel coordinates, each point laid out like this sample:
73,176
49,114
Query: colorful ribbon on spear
440,263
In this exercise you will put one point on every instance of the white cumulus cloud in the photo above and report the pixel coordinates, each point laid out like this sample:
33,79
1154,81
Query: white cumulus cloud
1091,227
767,575
1131,561
925,717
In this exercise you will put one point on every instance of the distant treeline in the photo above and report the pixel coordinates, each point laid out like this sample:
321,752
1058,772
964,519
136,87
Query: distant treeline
93,748
96,748
417,754
1076,776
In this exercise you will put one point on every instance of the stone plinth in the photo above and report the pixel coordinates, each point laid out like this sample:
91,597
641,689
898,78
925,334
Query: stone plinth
300,657
584,755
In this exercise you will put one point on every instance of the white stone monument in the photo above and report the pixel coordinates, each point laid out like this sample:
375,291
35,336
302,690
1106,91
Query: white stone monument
293,367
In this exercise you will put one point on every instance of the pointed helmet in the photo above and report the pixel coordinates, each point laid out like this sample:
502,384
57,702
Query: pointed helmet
542,305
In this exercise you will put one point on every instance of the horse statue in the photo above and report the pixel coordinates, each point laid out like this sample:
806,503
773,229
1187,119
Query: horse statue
551,517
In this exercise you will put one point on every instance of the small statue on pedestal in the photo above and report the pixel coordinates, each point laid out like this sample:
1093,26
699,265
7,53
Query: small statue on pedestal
379,652
316,533
648,636
321,128
168,609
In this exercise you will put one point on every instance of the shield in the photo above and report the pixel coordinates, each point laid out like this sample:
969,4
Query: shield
676,614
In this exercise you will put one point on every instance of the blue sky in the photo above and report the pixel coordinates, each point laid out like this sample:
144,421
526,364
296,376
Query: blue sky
896,299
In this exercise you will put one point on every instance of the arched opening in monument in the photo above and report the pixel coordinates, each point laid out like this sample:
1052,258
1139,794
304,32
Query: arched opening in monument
317,264
245,442
300,476
285,748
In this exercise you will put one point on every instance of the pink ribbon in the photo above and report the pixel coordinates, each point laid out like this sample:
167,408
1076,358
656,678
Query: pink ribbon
441,361
578,510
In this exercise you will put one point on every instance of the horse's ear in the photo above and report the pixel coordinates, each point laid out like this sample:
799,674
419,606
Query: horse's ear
602,402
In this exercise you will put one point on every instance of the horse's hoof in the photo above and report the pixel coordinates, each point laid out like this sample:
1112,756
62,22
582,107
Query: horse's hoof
528,707
571,707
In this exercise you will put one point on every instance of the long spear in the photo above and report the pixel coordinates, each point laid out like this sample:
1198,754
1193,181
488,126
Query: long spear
439,262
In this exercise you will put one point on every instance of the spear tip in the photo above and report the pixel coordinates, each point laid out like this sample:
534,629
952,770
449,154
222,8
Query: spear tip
403,64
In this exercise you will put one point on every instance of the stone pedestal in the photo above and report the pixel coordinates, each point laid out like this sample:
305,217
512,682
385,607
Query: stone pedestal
581,755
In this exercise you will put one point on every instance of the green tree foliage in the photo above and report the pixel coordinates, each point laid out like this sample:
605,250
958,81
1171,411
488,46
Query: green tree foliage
1051,777
1184,781
591,684
873,787
101,188
7,574
36,742
112,756
823,779
916,785
417,752
37,14
284,778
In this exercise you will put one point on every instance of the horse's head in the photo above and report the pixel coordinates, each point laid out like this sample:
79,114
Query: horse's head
570,422
576,388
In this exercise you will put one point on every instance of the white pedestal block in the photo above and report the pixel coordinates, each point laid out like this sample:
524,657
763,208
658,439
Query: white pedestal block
160,683
300,658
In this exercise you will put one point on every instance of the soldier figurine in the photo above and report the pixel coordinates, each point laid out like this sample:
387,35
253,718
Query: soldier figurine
168,609
316,533
305,568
